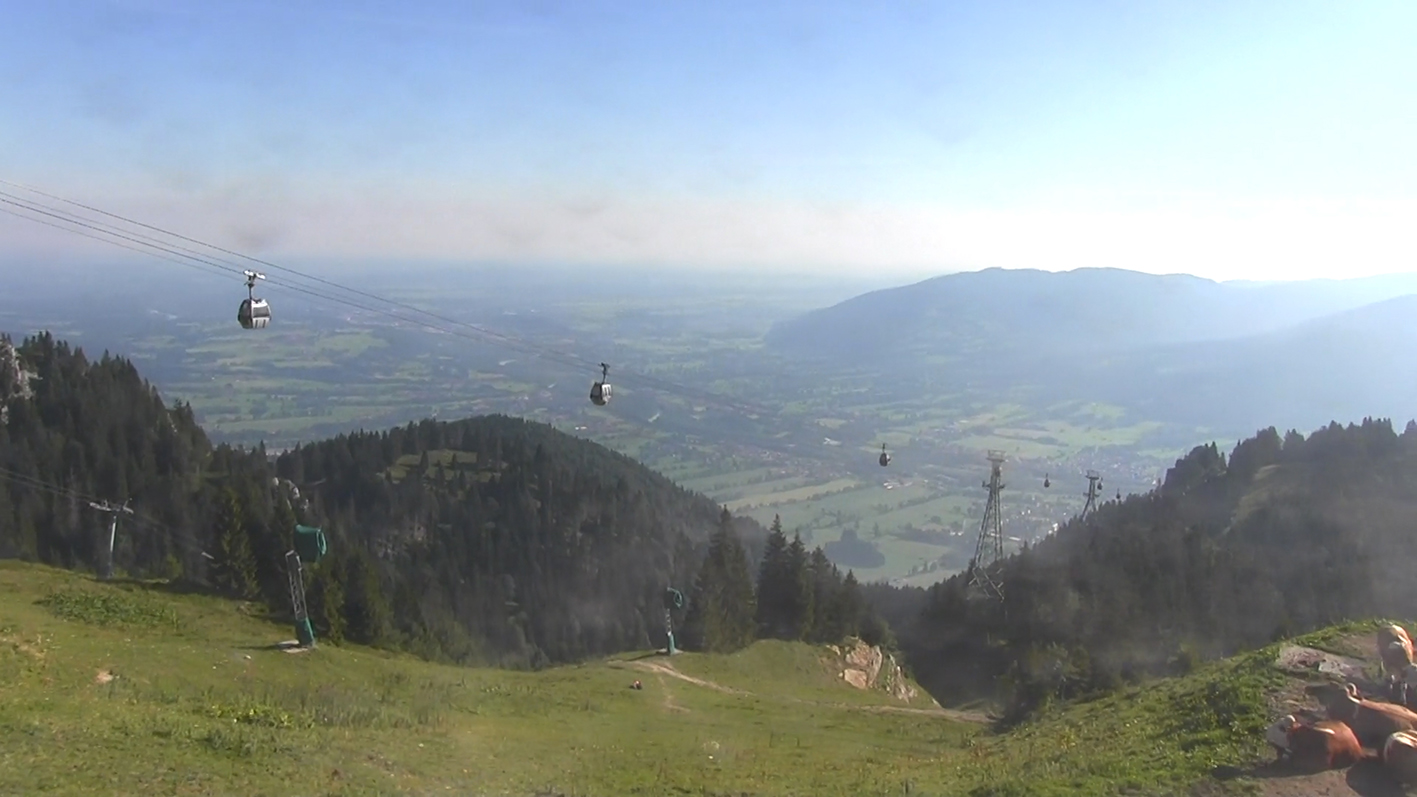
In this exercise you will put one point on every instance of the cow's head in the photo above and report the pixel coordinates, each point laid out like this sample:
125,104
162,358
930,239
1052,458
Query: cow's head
1340,702
1278,733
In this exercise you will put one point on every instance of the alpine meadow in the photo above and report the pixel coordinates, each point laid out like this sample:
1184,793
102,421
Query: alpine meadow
733,399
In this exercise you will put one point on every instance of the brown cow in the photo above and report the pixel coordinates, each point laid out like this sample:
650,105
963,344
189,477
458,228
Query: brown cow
1372,722
1400,756
1327,744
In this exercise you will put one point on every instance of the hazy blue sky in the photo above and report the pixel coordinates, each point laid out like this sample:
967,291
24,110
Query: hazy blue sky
1227,138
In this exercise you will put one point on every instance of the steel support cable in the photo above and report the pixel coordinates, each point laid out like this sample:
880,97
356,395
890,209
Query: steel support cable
171,534
104,240
165,246
563,358
569,360
191,260
188,261
578,361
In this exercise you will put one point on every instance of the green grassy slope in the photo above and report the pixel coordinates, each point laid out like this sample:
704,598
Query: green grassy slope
201,702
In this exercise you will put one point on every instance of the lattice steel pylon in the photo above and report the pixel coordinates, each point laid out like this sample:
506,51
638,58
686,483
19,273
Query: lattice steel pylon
989,550
1094,489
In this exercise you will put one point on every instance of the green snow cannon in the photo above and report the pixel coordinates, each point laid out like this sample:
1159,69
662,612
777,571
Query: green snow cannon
305,633
310,544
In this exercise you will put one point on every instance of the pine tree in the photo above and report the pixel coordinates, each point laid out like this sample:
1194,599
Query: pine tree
800,606
850,608
270,554
721,611
826,617
774,586
325,600
366,610
739,606
235,565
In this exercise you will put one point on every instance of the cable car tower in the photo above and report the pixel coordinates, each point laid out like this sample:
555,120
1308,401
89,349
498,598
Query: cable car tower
1094,489
114,511
989,551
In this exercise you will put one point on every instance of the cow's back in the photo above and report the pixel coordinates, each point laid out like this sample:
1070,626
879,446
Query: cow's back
1328,744
1374,722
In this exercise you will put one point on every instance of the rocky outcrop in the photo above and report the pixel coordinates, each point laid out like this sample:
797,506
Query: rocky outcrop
868,667
14,379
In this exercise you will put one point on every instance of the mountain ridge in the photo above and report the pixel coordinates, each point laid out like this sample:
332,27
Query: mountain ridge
1177,349
1067,309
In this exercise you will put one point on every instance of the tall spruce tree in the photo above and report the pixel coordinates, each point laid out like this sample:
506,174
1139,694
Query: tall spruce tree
722,611
326,599
366,610
270,553
775,586
800,592
234,570
826,617
850,607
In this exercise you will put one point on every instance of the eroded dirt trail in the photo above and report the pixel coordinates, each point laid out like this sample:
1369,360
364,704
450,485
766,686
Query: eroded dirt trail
1366,779
660,669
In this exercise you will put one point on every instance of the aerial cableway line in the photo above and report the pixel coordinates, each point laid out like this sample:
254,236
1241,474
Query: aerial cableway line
190,257
144,243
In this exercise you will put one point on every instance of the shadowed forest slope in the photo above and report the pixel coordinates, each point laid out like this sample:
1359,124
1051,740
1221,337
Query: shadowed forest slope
490,539
1283,536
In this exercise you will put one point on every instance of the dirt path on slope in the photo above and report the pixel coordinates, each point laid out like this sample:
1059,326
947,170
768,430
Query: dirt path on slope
660,668
669,704
1365,779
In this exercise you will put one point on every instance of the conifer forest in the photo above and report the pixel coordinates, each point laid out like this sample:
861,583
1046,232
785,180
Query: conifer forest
497,541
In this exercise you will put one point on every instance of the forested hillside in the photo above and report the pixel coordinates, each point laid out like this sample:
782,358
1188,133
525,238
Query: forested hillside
491,540
496,540
1285,535
96,429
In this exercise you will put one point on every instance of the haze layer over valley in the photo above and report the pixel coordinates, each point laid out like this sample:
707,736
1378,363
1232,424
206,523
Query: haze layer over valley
773,395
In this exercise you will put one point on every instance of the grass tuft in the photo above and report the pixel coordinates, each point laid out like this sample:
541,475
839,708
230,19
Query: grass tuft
110,608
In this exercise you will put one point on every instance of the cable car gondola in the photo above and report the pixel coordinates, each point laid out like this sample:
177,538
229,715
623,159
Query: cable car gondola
254,313
600,391
1046,483
885,458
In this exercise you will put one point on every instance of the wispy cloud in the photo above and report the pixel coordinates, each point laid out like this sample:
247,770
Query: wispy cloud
1272,239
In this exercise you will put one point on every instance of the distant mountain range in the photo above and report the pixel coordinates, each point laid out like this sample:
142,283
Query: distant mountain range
1173,347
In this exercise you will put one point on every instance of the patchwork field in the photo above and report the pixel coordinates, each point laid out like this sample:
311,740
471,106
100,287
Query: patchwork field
807,452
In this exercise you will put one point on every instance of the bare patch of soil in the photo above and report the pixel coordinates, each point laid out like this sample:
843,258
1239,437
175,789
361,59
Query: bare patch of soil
662,669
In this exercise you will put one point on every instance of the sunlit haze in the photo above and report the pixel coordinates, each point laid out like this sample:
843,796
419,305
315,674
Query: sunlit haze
1234,140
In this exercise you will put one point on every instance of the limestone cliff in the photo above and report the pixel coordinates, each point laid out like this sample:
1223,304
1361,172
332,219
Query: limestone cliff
868,667
14,379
